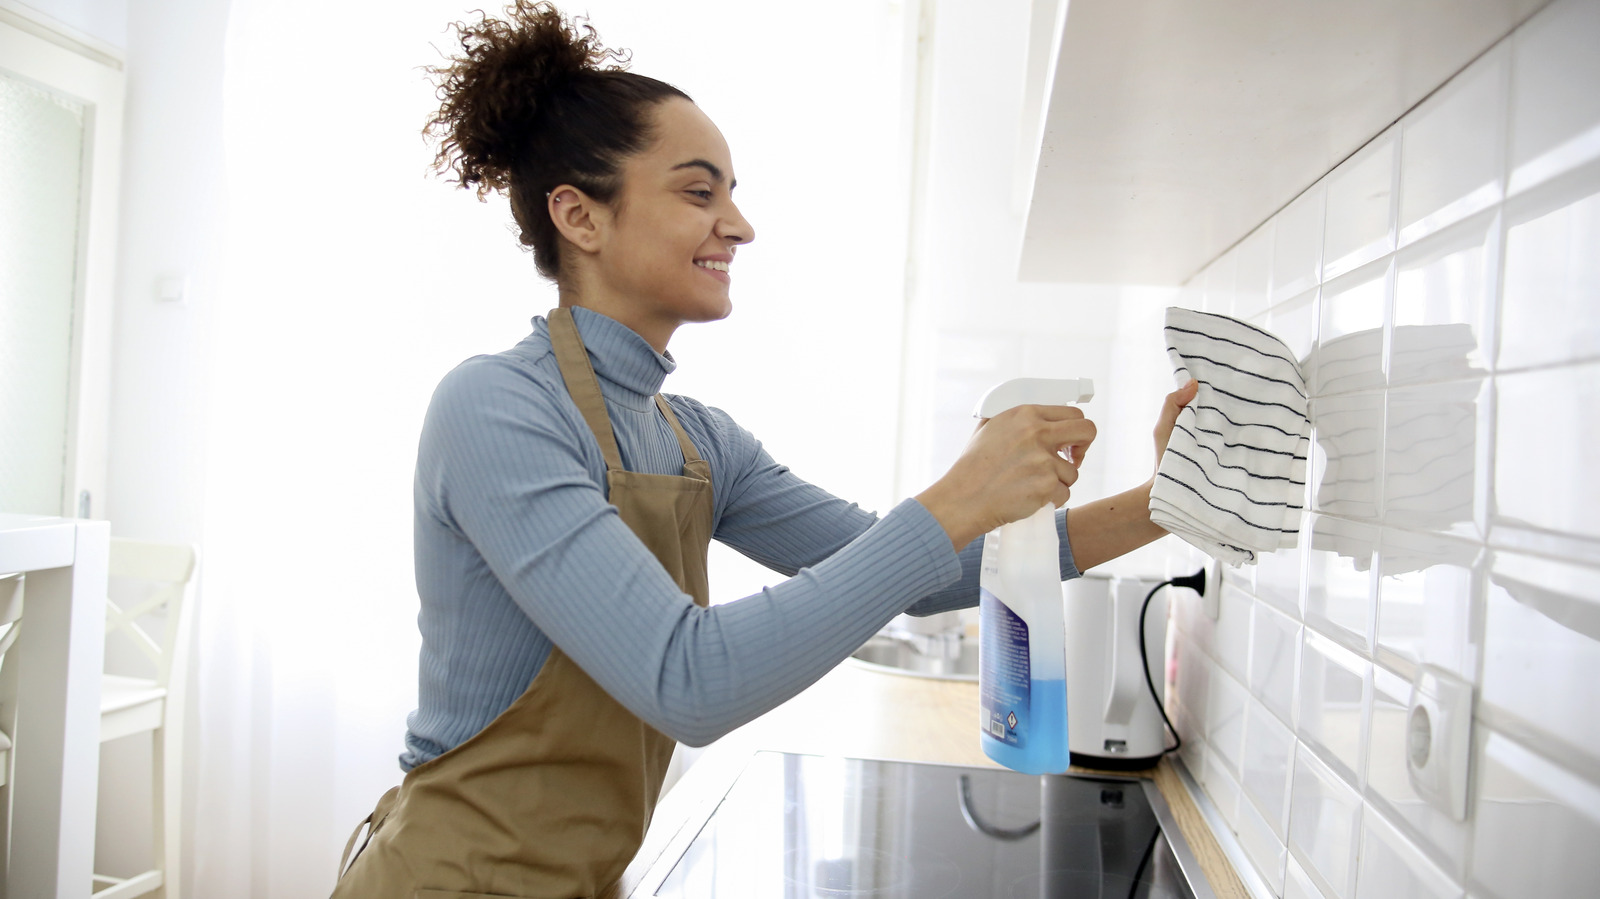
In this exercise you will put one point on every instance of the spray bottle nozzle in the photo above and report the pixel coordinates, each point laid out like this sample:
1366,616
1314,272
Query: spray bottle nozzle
1034,392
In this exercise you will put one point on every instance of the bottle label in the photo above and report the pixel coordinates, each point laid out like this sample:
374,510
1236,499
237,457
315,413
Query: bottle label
1004,674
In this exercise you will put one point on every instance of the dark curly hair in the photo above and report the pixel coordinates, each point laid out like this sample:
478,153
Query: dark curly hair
535,101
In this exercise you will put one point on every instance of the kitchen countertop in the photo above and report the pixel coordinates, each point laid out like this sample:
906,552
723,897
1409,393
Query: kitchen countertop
855,712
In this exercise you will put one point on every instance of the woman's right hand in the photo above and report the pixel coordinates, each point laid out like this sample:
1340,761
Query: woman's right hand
1016,462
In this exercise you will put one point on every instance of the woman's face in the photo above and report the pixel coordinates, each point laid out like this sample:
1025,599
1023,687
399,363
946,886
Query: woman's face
672,234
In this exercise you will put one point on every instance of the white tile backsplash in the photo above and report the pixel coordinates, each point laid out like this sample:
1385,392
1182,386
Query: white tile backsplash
1297,883
1349,345
1333,702
1340,580
1294,322
1434,833
1297,245
1433,455
1253,273
1225,716
1360,217
1541,649
1280,576
1552,276
1221,785
1231,643
1441,291
1546,432
1445,281
1217,287
1274,660
1429,602
1555,110
1391,866
1262,844
1536,825
1346,453
1452,148
1323,822
1268,762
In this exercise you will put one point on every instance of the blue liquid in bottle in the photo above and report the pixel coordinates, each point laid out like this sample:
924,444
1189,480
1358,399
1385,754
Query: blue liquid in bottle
1021,649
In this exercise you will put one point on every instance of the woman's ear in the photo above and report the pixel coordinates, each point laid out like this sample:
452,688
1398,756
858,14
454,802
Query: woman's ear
580,219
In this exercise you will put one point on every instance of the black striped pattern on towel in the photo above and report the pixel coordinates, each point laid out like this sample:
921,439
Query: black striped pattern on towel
1232,481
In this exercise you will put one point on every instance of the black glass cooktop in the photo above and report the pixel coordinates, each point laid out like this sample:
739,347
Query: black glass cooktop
807,827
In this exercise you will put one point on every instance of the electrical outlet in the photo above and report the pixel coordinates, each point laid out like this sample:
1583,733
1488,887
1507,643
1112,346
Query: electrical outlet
1439,739
172,290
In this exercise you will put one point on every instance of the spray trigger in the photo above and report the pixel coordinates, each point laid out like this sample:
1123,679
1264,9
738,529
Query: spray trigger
1034,392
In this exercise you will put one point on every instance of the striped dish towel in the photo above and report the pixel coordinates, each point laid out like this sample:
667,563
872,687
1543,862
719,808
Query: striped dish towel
1232,481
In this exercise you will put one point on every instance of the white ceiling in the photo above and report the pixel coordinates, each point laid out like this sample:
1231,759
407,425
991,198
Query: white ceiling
1173,127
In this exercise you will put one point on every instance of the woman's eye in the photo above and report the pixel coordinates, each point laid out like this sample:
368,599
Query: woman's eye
702,194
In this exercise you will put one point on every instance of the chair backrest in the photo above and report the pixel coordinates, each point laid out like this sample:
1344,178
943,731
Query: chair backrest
10,625
166,570
10,610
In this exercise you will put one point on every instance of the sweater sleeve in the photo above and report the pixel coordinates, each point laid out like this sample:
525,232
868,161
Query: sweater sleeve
963,592
511,472
786,523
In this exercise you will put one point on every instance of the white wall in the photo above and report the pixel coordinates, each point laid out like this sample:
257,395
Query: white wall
1442,284
170,217
105,20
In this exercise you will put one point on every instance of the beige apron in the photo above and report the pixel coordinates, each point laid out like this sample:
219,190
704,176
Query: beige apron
552,798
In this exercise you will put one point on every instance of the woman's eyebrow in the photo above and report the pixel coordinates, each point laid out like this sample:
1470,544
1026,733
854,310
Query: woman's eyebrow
711,168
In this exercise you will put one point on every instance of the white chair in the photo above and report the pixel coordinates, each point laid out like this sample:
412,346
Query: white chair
158,577
10,624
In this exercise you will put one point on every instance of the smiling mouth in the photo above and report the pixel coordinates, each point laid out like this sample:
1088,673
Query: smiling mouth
712,264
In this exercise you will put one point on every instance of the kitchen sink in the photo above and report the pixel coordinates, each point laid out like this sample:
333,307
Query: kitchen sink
955,659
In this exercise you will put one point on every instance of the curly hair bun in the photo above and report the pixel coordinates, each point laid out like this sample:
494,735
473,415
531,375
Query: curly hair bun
498,90
535,101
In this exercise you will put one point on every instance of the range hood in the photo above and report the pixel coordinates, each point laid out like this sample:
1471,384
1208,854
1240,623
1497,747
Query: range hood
1167,130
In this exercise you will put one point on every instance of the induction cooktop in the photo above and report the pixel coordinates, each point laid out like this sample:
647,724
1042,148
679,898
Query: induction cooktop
807,827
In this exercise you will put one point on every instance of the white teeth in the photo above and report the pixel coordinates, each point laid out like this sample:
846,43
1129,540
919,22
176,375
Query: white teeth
713,265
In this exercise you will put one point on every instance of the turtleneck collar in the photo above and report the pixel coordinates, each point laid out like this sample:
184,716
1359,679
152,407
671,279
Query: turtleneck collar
630,370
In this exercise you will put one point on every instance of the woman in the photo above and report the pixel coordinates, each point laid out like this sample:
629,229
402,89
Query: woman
564,506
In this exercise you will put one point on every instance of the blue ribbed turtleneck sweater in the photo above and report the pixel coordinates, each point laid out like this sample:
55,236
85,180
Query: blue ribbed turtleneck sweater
517,548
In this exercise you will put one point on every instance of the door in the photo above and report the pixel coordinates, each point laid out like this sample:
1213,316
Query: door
60,135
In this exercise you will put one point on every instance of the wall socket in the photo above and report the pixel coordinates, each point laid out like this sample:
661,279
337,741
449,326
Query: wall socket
1439,739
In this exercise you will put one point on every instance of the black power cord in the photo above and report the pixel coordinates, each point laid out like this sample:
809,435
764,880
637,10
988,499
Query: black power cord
1197,583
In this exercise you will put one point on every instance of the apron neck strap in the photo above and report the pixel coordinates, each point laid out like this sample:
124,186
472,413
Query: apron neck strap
584,387
582,384
690,454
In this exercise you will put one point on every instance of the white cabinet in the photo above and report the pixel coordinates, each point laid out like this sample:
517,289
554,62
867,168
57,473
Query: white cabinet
1172,128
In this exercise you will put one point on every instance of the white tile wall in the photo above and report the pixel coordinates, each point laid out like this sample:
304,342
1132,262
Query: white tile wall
1452,148
1360,222
1324,813
1443,288
1274,660
1391,866
1549,259
1268,761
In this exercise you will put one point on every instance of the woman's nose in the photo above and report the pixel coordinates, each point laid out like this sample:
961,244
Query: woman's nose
734,227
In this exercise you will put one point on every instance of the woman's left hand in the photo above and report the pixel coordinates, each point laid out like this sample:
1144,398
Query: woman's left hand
1170,408
1107,528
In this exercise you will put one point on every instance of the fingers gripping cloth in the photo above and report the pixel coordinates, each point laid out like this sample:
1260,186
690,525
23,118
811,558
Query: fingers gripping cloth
1232,481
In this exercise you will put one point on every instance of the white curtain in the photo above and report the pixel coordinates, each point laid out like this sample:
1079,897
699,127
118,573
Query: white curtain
353,281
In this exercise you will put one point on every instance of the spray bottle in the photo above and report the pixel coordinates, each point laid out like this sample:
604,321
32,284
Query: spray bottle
1021,633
